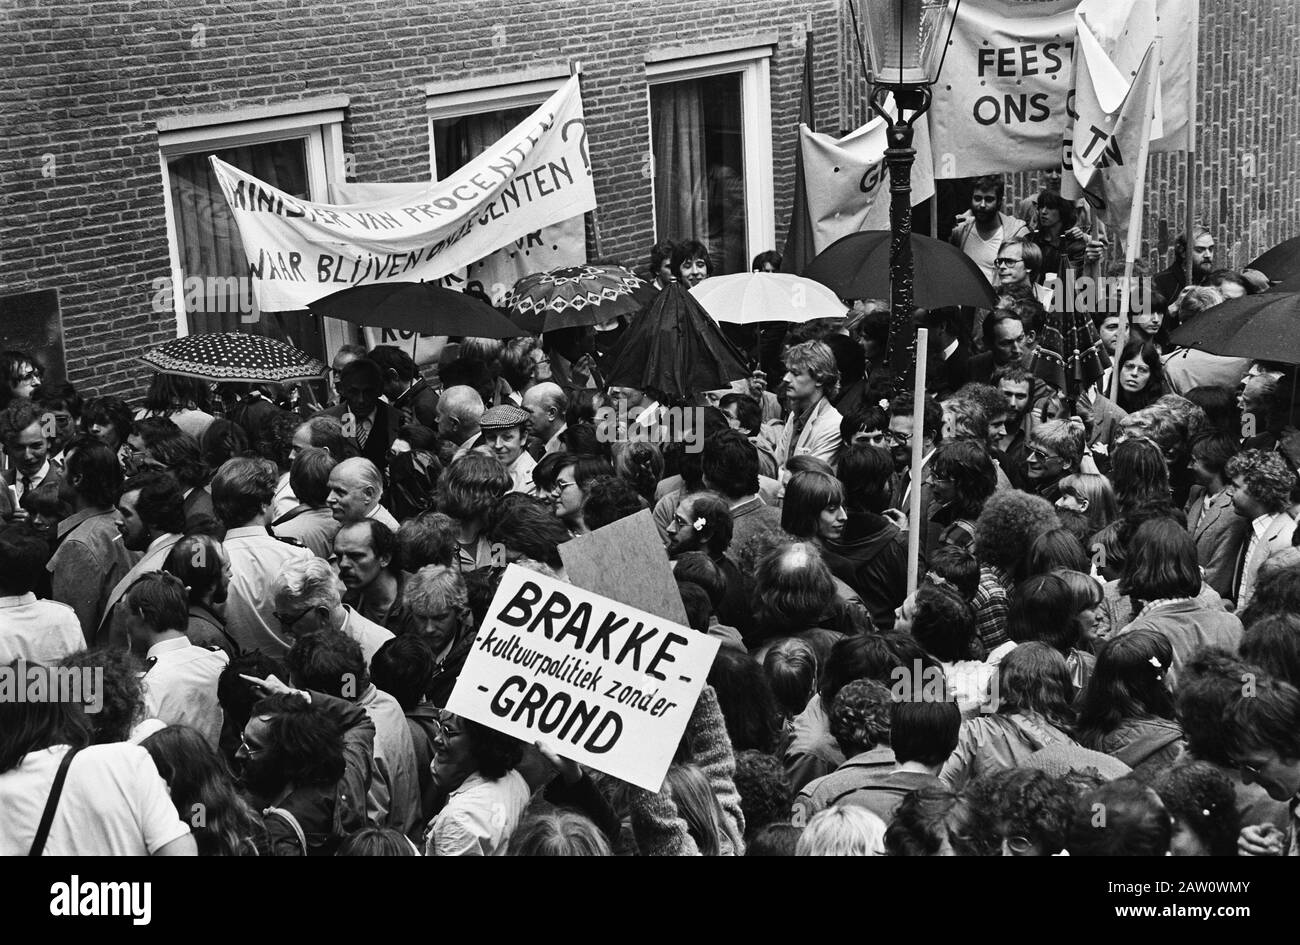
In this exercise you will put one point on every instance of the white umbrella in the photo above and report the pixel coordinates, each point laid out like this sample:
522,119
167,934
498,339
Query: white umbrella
751,297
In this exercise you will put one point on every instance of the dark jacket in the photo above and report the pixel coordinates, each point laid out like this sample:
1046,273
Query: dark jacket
419,405
423,723
871,557
447,672
387,422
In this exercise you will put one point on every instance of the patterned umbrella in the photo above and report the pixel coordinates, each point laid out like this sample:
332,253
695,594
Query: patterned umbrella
675,349
234,356
423,307
573,296
1070,355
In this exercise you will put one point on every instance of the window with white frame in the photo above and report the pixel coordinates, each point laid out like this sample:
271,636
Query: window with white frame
296,148
469,116
711,137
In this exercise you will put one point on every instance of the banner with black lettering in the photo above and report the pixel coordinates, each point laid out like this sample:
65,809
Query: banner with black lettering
539,174
603,684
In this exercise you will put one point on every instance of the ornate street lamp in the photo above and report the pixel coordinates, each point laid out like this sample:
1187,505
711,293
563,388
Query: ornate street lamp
906,42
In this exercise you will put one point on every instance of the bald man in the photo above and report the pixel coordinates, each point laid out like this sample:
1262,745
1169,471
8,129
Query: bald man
355,488
547,405
460,408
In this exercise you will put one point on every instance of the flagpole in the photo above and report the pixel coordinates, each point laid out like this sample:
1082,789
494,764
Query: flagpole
915,525
1189,207
1134,235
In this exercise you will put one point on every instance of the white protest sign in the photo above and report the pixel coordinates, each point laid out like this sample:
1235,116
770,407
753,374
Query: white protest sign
539,174
606,685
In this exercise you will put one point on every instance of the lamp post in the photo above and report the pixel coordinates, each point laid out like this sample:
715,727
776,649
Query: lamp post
906,42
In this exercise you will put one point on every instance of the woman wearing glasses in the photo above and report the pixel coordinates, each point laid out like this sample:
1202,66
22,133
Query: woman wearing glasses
474,769
21,373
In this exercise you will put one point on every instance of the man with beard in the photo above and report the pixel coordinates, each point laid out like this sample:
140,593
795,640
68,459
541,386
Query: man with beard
505,431
305,760
985,230
1015,384
702,523
365,551
306,596
437,598
204,568
1173,280
151,519
329,662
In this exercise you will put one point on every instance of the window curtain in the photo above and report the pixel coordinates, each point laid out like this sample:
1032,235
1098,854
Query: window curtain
458,141
681,185
210,245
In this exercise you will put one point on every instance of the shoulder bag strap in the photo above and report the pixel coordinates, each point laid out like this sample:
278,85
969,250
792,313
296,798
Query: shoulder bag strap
292,821
52,804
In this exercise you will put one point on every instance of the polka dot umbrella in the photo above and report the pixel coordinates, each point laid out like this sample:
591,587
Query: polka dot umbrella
573,296
234,356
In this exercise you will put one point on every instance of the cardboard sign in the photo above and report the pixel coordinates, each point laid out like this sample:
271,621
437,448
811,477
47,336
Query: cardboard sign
538,175
626,560
602,683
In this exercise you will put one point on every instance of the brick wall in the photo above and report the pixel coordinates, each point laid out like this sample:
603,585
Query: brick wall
81,195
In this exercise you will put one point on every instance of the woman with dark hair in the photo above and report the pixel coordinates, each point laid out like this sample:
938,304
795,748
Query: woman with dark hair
642,466
944,624
112,801
1127,710
198,780
222,440
108,419
660,266
962,477
1203,805
1140,475
183,400
1273,644
1163,577
813,508
933,821
1062,243
1033,712
1042,608
870,550
748,706
1087,601
474,769
1222,415
1057,548
468,492
691,264
1141,376
1123,817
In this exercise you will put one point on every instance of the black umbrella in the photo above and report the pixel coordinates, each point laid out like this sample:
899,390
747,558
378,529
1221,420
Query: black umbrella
675,349
1265,327
857,267
423,307
1282,262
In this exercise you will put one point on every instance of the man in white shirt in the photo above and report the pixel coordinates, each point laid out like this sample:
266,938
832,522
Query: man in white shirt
813,426
307,598
1263,484
355,488
38,631
503,428
242,491
982,234
180,683
26,447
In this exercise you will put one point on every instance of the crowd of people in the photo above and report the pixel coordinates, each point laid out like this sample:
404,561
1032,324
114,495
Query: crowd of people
277,602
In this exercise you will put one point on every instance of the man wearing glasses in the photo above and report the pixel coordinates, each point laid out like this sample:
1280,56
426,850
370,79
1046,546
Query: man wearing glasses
1019,263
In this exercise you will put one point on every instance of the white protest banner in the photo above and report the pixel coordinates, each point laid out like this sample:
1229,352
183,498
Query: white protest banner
606,685
847,183
999,104
539,174
1178,26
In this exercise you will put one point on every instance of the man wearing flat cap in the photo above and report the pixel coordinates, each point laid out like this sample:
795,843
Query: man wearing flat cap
505,431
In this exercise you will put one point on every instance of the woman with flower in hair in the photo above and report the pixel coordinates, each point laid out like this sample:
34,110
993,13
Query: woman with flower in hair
1127,710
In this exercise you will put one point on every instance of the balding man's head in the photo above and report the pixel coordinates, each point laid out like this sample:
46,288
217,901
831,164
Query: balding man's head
794,588
459,410
546,405
355,487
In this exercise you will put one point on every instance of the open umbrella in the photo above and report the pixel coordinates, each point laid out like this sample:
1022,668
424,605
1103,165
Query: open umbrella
423,307
1282,262
674,349
234,356
1069,355
574,296
749,297
857,267
1264,326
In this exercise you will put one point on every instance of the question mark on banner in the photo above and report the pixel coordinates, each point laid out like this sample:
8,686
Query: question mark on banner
582,142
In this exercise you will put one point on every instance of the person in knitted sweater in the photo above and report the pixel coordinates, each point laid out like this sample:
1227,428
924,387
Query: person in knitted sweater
659,827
